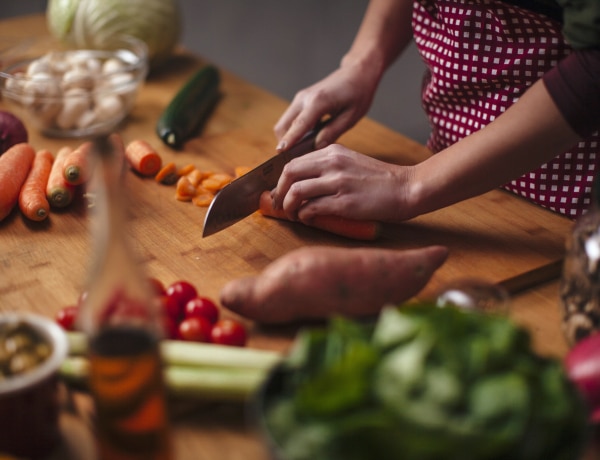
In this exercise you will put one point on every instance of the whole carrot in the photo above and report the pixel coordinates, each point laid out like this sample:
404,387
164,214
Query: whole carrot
366,230
143,158
77,164
15,164
32,198
58,191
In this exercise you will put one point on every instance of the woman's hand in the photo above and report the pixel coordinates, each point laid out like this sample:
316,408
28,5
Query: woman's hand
345,96
338,181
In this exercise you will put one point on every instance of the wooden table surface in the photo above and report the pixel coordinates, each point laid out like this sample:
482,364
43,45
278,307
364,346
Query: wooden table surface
43,267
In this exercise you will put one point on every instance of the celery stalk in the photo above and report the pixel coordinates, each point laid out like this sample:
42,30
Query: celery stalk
203,382
191,369
180,353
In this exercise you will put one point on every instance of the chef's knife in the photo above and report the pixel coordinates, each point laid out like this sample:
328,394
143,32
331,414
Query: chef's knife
240,198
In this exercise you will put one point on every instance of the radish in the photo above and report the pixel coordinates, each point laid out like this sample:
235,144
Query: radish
582,364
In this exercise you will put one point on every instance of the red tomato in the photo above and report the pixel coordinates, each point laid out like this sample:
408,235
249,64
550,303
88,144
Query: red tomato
67,316
196,329
170,307
181,292
158,288
202,306
229,332
171,328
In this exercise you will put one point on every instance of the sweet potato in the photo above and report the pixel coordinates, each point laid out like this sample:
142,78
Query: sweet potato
316,282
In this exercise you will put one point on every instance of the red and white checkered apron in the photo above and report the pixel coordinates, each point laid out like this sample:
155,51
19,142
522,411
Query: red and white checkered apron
481,56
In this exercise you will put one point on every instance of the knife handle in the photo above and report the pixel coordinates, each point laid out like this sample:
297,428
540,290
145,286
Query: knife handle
307,143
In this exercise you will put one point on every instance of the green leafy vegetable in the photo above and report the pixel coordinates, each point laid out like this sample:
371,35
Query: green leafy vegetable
424,383
95,23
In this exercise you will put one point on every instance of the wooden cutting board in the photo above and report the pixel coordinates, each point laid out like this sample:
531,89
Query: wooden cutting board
43,267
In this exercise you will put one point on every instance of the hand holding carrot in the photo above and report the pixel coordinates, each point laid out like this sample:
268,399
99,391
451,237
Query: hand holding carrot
367,230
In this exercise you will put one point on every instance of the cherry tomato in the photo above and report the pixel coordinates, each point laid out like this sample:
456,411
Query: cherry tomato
171,328
170,307
158,288
196,329
181,292
202,306
228,331
67,316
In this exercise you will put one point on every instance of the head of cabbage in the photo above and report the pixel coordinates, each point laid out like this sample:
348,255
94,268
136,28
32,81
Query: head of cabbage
93,23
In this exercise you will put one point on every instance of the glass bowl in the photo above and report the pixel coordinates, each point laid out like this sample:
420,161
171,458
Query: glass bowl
74,92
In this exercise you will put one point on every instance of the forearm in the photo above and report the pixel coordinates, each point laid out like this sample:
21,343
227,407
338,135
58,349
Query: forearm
530,133
383,34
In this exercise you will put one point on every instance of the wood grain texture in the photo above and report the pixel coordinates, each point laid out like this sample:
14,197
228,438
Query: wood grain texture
43,266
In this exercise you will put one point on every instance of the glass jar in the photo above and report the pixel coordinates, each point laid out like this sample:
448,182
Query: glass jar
580,281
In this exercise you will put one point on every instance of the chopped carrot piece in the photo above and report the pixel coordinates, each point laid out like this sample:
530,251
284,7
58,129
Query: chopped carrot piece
185,191
241,170
167,175
203,197
186,170
195,177
217,181
143,158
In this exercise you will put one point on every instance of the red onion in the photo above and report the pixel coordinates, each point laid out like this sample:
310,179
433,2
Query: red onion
582,364
12,131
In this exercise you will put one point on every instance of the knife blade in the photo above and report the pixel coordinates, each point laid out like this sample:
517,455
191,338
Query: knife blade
240,198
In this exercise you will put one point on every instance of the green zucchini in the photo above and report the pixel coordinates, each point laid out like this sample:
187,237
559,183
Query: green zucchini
188,111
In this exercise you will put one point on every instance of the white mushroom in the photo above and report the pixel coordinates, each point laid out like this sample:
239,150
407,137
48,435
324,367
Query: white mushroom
78,78
113,65
76,103
108,106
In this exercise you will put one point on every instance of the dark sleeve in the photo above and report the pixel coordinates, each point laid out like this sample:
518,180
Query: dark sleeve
574,85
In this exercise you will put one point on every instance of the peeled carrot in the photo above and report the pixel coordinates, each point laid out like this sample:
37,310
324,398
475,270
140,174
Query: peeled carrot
367,230
143,158
15,164
167,174
58,191
32,198
77,164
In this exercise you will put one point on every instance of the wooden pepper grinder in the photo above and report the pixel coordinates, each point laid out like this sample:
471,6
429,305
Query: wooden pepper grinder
580,282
